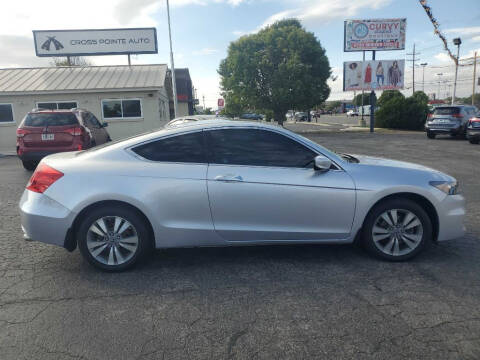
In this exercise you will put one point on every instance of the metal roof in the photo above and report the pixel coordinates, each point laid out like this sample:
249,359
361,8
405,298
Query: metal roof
78,79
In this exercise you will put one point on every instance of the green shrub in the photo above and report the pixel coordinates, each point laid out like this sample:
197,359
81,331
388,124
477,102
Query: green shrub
399,112
388,95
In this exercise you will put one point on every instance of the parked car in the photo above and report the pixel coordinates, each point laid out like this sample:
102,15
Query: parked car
43,132
225,183
473,129
449,120
301,116
352,113
251,116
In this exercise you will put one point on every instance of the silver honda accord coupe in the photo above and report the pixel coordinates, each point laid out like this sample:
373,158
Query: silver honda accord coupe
225,183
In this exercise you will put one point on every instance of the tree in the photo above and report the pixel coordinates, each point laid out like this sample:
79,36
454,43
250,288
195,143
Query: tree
387,95
399,112
74,61
357,100
279,68
421,97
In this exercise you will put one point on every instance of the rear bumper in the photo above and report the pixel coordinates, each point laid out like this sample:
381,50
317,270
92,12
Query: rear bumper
451,214
44,219
446,130
37,155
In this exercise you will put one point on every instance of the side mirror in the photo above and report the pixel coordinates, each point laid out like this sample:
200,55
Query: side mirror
322,163
105,124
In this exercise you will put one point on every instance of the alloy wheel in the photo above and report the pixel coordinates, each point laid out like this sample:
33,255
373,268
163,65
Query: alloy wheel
397,232
112,240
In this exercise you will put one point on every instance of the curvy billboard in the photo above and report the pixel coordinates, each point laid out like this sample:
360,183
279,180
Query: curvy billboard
95,42
374,34
373,75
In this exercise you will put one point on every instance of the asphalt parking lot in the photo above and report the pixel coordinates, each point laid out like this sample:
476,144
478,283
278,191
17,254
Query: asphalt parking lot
295,302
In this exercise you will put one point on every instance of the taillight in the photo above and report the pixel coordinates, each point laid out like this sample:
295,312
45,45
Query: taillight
429,116
42,178
21,132
76,131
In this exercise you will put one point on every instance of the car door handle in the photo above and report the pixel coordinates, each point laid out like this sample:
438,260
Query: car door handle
229,178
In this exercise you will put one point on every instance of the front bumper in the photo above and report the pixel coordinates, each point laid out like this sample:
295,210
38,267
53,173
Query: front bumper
43,219
473,134
451,215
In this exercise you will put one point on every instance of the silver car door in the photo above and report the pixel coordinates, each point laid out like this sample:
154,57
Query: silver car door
261,189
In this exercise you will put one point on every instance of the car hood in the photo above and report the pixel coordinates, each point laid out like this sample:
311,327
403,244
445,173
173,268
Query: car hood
377,161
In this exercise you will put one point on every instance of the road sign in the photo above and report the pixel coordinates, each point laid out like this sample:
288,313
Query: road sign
374,34
221,103
95,42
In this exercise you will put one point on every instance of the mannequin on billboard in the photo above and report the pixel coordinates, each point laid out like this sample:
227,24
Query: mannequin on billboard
380,74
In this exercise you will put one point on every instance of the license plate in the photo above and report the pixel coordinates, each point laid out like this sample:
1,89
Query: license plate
441,121
48,136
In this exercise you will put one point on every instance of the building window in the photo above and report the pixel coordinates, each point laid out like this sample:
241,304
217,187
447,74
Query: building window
55,105
6,113
122,108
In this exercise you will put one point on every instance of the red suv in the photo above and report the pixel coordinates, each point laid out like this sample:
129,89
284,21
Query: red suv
44,132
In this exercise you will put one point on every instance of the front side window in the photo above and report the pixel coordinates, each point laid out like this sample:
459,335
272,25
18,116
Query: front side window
257,147
55,105
188,148
122,108
6,113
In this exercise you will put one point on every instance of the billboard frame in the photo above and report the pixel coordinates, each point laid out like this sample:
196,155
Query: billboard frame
96,53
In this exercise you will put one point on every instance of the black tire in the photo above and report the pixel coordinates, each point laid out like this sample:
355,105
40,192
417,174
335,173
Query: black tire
473,141
399,203
431,135
144,246
29,165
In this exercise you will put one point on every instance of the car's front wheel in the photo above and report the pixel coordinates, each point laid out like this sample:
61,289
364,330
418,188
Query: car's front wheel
113,238
474,140
430,135
397,229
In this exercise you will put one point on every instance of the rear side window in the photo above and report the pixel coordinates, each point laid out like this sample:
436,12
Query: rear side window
446,110
188,148
50,119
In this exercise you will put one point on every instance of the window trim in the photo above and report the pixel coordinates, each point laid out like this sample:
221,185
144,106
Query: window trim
13,115
121,102
57,102
129,149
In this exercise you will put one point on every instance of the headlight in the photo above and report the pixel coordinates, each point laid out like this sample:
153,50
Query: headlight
448,187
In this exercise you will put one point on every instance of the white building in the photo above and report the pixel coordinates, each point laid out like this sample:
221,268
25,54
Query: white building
131,99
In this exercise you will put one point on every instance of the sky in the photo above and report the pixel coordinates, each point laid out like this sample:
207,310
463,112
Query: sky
203,29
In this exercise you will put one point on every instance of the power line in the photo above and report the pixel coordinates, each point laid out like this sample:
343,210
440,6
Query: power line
413,59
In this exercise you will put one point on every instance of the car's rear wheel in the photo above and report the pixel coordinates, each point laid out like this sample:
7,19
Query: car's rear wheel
430,135
473,140
397,229
113,238
29,165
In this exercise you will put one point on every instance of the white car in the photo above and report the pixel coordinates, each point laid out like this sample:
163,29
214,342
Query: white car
352,113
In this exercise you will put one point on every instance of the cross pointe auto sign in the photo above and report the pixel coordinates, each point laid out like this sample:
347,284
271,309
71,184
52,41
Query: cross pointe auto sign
95,42
375,34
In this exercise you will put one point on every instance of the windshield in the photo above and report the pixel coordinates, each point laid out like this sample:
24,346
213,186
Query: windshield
50,119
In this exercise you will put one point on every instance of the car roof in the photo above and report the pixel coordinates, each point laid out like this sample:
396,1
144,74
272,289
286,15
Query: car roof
39,111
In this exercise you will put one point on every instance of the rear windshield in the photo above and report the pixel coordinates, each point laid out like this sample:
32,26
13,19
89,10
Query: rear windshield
446,110
50,119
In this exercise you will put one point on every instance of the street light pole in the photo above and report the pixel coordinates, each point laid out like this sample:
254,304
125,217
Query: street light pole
174,82
456,41
423,76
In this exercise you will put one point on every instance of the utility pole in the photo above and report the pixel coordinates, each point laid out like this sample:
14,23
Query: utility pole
423,76
413,59
439,81
474,75
362,122
204,108
456,41
174,81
